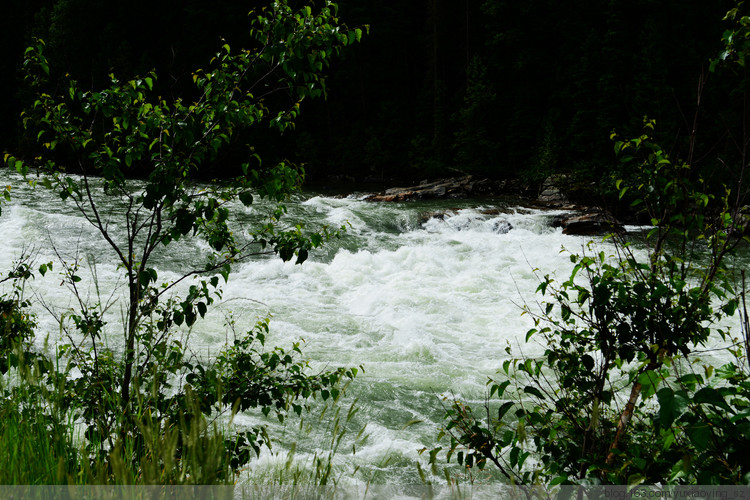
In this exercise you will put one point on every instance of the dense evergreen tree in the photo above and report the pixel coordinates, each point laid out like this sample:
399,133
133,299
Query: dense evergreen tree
493,87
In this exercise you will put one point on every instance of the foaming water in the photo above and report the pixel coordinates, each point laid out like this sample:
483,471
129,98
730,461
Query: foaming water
427,306
426,296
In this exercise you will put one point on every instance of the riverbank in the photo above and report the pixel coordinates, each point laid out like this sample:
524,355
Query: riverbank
581,219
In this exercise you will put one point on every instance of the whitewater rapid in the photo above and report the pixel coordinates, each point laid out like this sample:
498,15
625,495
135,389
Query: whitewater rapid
427,306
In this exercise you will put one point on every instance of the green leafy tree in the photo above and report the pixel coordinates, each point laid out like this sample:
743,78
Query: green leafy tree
622,393
93,142
622,331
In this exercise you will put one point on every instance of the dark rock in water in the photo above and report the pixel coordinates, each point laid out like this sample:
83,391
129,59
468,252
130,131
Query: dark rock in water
552,193
501,226
588,224
403,196
458,187
741,225
498,226
425,216
454,187
442,214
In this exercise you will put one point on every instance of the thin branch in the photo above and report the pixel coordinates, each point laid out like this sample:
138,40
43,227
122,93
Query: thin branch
97,222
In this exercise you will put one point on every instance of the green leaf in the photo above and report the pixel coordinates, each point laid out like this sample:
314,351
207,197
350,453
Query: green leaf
504,408
649,380
699,435
636,479
506,365
730,308
588,362
500,388
246,198
559,480
202,309
514,456
709,395
727,371
565,312
692,379
21,168
184,221
671,405
530,389
302,255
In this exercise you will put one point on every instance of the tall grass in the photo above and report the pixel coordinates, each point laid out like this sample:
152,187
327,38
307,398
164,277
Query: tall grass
36,445
313,456
34,450
40,443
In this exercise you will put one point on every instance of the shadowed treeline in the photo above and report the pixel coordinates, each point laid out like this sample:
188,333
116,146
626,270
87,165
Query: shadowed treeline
493,87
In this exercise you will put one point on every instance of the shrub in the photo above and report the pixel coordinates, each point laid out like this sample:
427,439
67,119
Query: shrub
149,403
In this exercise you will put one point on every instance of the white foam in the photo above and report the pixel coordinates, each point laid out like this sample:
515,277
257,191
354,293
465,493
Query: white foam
427,307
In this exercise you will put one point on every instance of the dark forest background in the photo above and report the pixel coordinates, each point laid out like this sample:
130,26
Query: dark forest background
498,88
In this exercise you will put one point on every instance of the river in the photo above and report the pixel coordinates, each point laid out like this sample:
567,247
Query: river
426,307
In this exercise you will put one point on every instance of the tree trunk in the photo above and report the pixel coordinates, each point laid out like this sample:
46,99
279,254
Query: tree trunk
627,413
130,347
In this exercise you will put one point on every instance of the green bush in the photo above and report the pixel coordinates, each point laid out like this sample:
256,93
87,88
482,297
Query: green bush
145,411
621,394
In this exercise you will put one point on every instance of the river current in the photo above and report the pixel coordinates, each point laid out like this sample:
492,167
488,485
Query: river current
427,306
